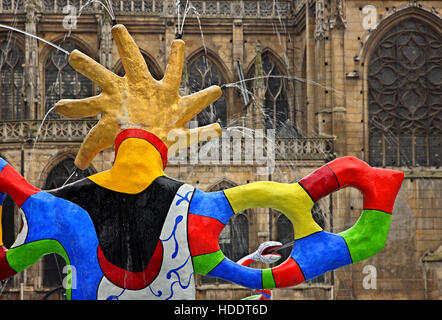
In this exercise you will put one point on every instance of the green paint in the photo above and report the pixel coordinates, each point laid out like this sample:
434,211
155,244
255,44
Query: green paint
368,235
254,297
268,282
22,257
205,263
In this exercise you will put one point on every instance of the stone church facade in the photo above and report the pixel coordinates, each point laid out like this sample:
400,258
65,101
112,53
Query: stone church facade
323,79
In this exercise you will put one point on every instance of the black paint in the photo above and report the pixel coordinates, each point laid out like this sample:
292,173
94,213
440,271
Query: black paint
128,226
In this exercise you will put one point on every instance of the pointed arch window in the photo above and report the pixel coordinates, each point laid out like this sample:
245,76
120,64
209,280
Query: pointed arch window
53,264
405,97
203,73
234,239
62,81
275,105
11,85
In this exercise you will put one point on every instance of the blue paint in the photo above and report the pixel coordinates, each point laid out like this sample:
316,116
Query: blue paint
213,205
173,234
183,286
233,272
115,297
185,198
2,198
269,296
169,274
50,217
319,253
175,271
3,163
158,294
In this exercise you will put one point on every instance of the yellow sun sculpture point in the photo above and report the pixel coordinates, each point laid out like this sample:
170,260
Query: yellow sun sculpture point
136,100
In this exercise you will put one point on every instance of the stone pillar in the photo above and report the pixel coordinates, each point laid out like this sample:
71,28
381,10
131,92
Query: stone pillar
310,72
237,42
255,110
170,29
237,56
298,70
290,57
338,25
31,75
323,113
104,40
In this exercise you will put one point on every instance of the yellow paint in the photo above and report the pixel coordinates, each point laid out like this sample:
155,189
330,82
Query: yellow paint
136,100
1,228
290,199
136,165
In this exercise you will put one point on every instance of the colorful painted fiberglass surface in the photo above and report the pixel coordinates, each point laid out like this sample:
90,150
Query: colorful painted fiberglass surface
112,255
149,242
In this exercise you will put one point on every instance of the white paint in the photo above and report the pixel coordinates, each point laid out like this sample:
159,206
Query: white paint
162,282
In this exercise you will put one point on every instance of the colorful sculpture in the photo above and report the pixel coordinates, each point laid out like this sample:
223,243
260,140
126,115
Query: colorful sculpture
133,233
262,254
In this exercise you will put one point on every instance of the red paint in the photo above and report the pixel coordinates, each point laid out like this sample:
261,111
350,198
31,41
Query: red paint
143,134
287,274
203,233
15,185
247,262
379,187
320,183
5,270
266,294
132,280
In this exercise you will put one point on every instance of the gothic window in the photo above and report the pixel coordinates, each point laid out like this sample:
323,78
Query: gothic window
64,171
203,73
62,81
16,5
234,239
284,230
11,69
405,97
116,5
275,107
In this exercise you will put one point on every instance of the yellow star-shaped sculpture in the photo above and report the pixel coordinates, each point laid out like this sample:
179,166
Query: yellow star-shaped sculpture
136,100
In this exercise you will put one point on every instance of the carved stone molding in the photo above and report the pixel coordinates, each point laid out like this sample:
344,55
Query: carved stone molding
31,90
207,9
105,40
321,26
338,20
